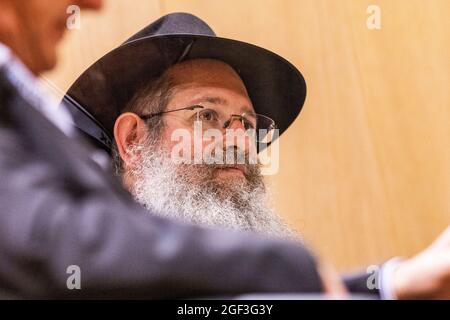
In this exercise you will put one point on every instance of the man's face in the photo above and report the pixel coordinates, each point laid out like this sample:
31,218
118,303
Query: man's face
221,195
35,27
217,88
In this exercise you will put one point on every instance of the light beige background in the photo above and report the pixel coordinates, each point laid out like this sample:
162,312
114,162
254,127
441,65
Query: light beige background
365,170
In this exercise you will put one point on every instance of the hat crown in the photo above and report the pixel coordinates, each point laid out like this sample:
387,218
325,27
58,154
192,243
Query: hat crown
175,23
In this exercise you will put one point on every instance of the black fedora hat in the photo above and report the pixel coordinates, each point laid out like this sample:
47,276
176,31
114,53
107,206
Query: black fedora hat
276,88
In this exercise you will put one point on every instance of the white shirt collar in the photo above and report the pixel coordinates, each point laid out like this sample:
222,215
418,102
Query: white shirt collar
5,54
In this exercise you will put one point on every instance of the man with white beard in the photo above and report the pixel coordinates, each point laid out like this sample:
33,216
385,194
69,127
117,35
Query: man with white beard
220,195
154,90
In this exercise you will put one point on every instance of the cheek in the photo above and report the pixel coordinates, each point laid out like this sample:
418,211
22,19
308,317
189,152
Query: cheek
173,139
182,143
46,30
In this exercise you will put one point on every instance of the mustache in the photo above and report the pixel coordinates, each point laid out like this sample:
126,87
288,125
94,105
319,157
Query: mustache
230,156
240,160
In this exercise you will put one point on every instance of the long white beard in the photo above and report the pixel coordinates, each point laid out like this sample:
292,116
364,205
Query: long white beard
191,194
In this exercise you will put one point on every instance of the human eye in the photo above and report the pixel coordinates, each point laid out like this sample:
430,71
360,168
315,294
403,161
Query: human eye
249,124
207,115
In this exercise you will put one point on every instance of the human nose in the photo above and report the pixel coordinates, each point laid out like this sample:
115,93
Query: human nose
236,129
235,122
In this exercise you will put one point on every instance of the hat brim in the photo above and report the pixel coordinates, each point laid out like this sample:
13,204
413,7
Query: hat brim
277,88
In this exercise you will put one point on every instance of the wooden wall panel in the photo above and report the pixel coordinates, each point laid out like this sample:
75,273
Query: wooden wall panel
365,170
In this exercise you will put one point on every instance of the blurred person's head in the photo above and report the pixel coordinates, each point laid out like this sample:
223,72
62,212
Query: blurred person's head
33,28
223,194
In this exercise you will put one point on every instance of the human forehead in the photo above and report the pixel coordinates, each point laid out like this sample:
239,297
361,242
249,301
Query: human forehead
206,72
209,82
220,100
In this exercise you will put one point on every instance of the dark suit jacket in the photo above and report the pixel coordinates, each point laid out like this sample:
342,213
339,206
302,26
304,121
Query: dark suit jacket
59,208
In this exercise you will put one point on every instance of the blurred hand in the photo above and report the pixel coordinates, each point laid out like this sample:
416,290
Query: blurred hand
427,275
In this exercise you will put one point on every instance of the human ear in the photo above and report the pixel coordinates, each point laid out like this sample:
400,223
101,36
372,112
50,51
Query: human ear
129,129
